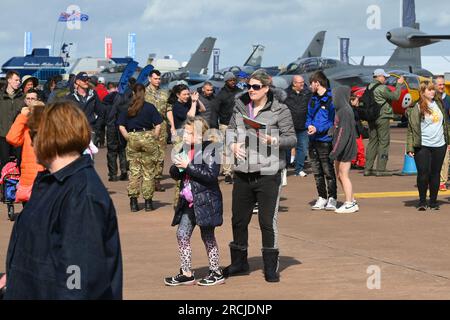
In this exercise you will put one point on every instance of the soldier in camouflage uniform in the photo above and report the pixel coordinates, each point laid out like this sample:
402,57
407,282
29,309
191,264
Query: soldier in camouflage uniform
379,131
142,154
141,126
158,97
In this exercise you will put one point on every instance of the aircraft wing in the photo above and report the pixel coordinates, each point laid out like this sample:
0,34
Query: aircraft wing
428,36
352,79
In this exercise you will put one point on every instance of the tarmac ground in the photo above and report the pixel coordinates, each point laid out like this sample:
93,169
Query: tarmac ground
388,250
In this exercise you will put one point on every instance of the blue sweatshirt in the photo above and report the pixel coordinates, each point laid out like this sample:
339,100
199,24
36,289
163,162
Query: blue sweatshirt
321,115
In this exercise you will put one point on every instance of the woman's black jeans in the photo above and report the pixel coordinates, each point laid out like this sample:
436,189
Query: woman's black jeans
429,162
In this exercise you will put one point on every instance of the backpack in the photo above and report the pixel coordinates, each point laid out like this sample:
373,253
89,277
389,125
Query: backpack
369,109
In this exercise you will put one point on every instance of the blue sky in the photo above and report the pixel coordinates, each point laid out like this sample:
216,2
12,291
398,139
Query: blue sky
177,27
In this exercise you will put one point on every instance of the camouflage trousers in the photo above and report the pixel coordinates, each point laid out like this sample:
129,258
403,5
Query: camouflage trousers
142,154
162,144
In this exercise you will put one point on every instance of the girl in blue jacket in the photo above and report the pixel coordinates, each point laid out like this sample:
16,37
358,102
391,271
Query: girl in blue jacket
200,202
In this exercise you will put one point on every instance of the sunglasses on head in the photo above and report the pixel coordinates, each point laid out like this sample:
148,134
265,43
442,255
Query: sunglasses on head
255,87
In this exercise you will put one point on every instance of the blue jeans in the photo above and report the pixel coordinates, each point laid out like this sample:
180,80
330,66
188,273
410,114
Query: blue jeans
301,150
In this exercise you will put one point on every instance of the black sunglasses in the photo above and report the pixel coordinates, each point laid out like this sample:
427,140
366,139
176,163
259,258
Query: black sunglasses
255,87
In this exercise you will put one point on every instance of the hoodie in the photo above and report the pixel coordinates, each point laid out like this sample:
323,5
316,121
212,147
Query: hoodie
344,130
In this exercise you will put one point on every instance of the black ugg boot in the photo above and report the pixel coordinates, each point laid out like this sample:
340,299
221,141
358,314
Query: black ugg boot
239,264
270,258
134,204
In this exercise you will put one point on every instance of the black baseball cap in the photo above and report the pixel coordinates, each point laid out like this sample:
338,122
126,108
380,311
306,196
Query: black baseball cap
82,76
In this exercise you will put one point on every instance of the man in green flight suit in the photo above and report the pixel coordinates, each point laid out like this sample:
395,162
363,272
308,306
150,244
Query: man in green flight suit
158,97
379,131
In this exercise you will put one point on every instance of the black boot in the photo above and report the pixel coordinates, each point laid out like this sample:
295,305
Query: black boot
270,258
158,186
134,204
148,205
239,264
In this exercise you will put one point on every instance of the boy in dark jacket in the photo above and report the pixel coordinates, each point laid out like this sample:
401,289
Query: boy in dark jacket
319,120
200,203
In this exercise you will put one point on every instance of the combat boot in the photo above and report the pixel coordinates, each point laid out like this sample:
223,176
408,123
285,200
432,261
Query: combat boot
270,258
134,204
148,205
239,264
159,187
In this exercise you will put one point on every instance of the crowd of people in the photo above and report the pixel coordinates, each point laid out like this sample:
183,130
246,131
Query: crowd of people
249,131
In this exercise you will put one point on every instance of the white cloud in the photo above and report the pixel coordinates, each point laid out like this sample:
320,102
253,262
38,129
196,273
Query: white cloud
443,19
4,36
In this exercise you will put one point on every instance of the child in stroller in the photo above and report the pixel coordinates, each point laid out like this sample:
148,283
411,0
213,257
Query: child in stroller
9,179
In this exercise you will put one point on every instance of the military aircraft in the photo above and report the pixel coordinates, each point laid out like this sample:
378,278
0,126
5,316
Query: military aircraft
406,57
196,70
253,62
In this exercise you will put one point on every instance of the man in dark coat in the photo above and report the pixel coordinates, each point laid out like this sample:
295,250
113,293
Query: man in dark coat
297,100
11,102
224,104
88,100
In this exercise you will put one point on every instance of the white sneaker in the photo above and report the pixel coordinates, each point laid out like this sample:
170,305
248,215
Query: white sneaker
348,207
320,204
331,205
255,209
292,159
302,174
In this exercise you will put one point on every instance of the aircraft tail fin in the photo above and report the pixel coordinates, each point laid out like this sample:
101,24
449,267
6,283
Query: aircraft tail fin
403,57
255,58
315,46
200,59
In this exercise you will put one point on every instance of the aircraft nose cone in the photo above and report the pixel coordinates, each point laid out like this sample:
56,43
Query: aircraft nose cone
389,36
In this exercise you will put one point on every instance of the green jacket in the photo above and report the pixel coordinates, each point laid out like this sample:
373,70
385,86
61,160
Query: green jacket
414,135
384,96
9,109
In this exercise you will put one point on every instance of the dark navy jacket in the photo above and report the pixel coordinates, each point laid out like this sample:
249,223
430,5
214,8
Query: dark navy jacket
321,115
92,107
69,223
208,205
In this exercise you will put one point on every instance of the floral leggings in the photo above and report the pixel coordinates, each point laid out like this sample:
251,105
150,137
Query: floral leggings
184,233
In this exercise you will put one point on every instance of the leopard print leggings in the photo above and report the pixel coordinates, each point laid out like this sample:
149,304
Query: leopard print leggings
184,233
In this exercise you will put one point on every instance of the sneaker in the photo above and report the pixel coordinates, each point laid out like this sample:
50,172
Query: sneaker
442,187
292,159
179,280
348,207
255,209
331,205
301,174
422,206
434,207
228,179
214,277
320,204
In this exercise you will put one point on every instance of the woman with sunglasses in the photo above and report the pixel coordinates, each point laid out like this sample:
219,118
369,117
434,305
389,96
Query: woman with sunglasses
263,132
427,141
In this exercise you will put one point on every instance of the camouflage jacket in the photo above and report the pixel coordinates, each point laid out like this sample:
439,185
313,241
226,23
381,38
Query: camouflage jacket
159,99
